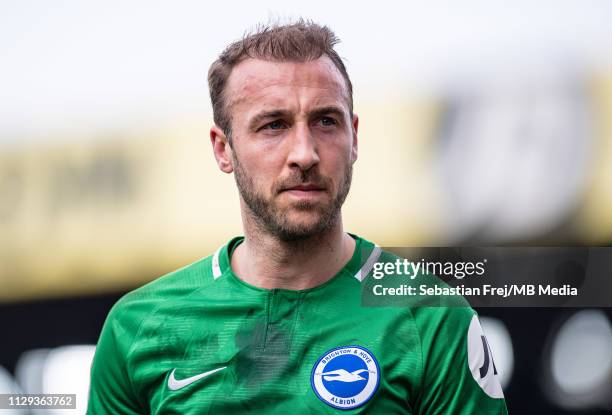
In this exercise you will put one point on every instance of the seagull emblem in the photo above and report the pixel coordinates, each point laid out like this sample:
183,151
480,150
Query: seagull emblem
342,375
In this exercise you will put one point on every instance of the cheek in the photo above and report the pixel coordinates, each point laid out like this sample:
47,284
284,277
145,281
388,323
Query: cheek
261,167
336,157
334,166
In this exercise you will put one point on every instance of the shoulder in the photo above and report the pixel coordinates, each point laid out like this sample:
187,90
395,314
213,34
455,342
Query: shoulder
434,306
166,289
409,281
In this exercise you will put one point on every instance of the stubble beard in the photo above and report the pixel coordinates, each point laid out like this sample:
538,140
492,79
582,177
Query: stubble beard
276,221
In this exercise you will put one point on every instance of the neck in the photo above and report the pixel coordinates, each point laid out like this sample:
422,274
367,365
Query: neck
265,261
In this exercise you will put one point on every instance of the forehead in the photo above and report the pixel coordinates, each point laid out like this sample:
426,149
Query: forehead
255,80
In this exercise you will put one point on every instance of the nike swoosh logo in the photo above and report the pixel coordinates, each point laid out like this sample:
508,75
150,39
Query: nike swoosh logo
174,384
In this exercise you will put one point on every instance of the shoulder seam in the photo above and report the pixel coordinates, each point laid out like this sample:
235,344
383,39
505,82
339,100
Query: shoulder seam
367,266
421,357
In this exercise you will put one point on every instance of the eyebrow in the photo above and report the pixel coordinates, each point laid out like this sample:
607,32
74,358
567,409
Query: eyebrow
266,115
329,110
318,112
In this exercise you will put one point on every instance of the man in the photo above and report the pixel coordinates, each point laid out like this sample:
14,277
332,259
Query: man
273,322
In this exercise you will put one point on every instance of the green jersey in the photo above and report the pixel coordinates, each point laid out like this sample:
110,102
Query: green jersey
200,340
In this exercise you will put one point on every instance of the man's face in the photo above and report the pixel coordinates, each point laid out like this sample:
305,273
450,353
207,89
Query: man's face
293,143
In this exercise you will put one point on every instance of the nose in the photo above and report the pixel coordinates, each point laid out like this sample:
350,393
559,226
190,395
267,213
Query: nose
303,153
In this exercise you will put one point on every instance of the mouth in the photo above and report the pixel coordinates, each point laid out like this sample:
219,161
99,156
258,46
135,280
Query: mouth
306,187
304,190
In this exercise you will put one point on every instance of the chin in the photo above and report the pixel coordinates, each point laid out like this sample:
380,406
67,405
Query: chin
294,229
304,220
296,234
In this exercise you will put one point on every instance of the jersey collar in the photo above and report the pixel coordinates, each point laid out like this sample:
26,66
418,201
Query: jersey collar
359,266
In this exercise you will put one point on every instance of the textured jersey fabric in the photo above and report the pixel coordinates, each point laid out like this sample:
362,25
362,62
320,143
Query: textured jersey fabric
202,341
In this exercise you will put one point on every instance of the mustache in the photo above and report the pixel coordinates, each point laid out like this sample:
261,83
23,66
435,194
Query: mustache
310,177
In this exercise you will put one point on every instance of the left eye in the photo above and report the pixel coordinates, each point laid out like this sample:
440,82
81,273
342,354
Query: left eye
327,121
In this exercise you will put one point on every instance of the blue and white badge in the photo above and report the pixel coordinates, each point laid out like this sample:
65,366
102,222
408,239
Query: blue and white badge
345,377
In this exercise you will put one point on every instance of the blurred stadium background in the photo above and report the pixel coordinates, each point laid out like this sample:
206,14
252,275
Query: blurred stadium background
480,123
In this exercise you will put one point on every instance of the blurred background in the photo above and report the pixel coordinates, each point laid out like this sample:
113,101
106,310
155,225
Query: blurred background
481,122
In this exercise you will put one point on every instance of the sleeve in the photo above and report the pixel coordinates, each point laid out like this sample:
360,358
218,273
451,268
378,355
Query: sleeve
459,374
110,390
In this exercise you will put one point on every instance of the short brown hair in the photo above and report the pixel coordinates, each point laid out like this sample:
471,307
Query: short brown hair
297,42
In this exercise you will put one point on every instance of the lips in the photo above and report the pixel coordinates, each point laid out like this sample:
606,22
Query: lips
306,188
304,191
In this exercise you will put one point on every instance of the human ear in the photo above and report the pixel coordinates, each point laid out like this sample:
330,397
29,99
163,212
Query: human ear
221,149
354,144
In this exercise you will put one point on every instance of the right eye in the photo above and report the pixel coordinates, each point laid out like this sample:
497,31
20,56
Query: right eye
274,125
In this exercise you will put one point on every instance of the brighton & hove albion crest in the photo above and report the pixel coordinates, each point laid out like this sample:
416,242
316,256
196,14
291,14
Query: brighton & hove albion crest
345,377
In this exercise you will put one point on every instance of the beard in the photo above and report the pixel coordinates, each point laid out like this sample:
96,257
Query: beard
276,219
